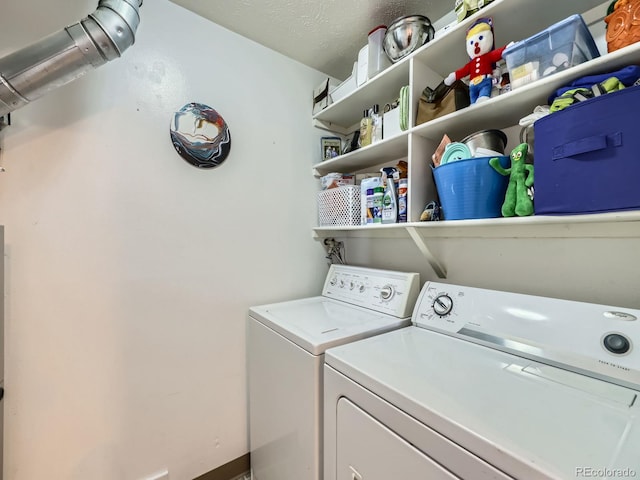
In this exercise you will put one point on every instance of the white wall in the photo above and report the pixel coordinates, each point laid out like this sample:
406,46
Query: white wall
129,271
593,270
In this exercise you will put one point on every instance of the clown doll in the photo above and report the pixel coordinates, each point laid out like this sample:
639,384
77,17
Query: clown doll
480,47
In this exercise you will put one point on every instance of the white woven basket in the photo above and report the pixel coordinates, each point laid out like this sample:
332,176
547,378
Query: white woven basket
339,206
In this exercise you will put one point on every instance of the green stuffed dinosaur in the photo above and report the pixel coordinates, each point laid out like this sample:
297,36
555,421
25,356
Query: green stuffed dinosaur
516,200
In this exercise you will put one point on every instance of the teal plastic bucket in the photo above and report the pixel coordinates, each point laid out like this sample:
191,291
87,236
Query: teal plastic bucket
471,188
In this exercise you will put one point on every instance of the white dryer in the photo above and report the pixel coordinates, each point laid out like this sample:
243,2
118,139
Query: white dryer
488,385
286,344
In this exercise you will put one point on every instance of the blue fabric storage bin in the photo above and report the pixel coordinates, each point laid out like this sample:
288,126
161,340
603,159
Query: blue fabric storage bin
587,156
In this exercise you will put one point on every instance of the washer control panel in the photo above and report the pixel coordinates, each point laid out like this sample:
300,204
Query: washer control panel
600,340
385,291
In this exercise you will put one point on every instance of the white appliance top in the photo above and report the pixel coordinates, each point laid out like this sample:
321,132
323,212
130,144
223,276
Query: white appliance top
555,396
595,340
356,302
530,420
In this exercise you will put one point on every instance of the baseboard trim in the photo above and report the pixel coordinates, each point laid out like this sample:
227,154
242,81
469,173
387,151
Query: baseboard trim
228,471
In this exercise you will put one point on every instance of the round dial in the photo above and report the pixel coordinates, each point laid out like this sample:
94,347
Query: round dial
442,305
361,288
333,281
386,292
616,343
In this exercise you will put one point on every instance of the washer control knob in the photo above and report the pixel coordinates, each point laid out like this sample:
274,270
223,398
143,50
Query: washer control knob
616,343
352,286
442,305
333,281
362,288
387,292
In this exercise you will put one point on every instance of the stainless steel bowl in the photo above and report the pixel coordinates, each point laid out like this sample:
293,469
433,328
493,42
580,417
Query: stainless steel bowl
405,35
494,140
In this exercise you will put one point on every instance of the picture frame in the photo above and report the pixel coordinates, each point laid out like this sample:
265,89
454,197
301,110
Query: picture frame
331,147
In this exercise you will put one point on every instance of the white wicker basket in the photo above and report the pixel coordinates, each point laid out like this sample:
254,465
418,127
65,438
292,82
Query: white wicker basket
339,206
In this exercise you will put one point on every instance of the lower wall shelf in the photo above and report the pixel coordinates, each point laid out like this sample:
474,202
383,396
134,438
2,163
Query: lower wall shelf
601,225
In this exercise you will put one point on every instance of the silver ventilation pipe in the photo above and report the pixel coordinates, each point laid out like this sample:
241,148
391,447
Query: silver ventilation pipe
62,57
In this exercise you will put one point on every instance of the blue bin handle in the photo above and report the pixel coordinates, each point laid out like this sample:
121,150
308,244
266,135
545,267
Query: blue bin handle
586,145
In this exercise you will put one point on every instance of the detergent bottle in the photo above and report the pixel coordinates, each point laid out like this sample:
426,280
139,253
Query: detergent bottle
390,198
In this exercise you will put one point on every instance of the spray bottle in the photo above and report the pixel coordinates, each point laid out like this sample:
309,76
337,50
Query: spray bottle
390,198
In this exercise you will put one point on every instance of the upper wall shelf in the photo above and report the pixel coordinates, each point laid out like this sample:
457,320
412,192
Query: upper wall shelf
506,110
447,53
381,152
499,112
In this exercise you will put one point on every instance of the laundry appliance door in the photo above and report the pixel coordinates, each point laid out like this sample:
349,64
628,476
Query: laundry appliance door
1,347
527,419
366,449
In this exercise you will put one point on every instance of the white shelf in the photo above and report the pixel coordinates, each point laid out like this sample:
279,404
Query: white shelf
378,153
507,109
602,225
381,89
513,20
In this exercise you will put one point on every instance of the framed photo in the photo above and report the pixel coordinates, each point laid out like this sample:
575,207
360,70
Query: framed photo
331,147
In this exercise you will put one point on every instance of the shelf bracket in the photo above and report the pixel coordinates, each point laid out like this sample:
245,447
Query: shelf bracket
422,246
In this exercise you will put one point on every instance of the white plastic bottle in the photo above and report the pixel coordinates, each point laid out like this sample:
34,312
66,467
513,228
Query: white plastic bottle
402,200
389,201
378,59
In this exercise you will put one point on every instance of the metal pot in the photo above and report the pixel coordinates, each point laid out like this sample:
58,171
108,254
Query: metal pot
405,35
494,140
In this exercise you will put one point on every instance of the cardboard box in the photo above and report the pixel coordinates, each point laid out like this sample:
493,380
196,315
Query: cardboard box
321,97
586,156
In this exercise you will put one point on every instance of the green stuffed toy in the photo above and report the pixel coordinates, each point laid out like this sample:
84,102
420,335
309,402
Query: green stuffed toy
516,200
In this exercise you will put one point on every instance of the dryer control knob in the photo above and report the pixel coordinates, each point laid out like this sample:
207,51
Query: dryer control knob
387,292
442,305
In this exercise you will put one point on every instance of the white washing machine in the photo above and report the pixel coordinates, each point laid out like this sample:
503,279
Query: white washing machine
286,344
488,385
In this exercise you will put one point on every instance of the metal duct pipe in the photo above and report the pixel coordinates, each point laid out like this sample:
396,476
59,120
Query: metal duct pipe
60,58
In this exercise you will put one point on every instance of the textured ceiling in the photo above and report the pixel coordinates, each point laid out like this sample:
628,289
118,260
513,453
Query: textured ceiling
323,34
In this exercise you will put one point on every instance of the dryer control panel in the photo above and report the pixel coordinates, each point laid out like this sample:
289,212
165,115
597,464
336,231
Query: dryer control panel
597,340
385,291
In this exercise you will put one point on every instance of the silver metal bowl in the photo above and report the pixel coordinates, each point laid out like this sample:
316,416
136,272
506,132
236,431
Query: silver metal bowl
494,140
405,35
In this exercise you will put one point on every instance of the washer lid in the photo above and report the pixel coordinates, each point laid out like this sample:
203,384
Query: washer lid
318,323
528,419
